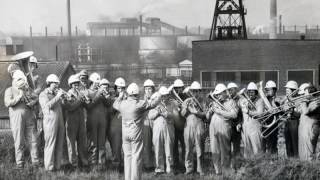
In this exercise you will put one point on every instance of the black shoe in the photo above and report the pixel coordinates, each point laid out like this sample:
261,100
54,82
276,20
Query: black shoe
157,173
20,166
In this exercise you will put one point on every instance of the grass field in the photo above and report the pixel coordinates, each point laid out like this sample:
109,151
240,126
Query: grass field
261,167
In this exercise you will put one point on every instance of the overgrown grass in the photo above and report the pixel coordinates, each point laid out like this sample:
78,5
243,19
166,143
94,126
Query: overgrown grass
261,167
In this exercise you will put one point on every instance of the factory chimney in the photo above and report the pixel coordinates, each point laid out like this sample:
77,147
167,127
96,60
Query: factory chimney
273,19
140,24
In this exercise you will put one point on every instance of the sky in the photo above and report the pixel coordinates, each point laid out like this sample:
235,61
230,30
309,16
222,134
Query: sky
17,15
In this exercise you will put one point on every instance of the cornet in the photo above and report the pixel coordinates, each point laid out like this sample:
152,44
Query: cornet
65,95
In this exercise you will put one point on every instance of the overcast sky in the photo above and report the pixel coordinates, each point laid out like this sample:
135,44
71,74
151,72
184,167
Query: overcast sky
17,15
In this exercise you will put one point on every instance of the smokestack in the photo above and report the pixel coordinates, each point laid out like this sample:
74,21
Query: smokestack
140,21
273,19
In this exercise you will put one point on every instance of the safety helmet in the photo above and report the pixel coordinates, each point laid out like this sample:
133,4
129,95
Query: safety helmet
22,55
252,86
73,79
302,88
83,73
163,90
219,89
13,67
95,77
133,89
270,84
120,82
33,59
178,83
148,82
52,78
18,74
232,85
195,85
104,81
291,85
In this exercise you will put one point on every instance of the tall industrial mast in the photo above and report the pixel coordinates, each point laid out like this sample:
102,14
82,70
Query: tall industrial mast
228,20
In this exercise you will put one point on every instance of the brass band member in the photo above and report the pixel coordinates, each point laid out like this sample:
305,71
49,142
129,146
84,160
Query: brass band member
309,124
223,111
270,142
193,129
51,100
251,128
163,133
148,157
22,119
233,90
75,124
290,129
96,123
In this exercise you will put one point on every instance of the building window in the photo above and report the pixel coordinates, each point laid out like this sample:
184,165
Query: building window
301,76
226,77
250,76
9,50
206,79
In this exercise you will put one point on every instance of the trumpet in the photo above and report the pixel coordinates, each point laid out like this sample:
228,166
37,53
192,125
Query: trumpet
65,95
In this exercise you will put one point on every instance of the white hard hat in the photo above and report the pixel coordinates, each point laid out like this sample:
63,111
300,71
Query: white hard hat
73,79
18,74
83,73
252,86
104,81
120,82
232,85
303,87
195,85
219,89
291,85
178,83
148,82
163,90
52,78
33,59
95,77
270,84
133,89
22,55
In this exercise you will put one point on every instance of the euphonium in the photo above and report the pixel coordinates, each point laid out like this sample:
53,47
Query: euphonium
216,101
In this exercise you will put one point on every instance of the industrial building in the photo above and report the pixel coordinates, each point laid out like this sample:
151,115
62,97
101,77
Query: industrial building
243,61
